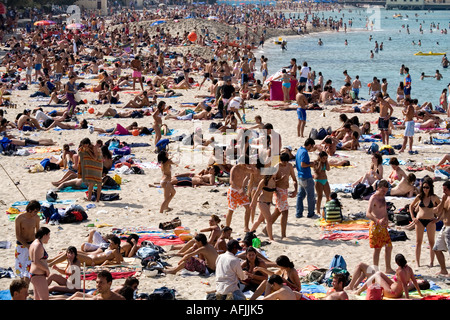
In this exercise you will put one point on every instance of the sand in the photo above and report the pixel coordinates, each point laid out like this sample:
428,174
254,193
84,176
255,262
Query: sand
139,204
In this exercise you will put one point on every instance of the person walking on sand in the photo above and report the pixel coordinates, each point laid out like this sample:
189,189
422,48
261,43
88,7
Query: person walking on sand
378,229
136,65
408,135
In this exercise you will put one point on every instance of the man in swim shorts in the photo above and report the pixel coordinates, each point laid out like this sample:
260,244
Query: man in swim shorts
408,136
26,225
136,65
236,195
386,111
378,229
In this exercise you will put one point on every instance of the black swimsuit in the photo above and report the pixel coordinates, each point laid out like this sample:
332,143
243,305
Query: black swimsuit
425,222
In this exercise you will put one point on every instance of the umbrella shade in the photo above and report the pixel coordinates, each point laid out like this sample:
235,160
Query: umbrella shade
44,23
157,22
75,26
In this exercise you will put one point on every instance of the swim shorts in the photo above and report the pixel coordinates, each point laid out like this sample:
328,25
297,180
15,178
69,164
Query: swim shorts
409,129
137,74
301,114
236,199
378,236
442,240
281,199
193,264
303,80
37,66
383,124
407,91
22,261
244,78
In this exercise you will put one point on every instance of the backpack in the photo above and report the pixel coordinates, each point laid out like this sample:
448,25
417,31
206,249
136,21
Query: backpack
321,134
338,262
358,191
109,183
313,134
374,148
162,293
397,235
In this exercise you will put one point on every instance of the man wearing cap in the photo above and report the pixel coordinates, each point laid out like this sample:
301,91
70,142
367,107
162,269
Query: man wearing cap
228,273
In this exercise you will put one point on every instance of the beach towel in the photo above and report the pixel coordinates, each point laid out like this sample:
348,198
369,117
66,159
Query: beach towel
89,168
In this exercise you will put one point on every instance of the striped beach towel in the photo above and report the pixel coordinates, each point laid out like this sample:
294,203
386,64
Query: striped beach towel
90,169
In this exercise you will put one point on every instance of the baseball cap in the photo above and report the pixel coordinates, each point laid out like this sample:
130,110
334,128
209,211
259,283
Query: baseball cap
232,244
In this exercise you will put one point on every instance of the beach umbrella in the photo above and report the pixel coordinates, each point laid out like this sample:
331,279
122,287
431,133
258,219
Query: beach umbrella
157,22
2,8
75,26
44,23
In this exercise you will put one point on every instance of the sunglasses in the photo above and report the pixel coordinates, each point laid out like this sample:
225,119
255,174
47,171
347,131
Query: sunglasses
425,187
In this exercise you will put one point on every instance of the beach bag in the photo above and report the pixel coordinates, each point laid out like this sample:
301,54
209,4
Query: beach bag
313,134
321,134
316,275
109,183
374,148
117,179
122,151
358,191
338,261
387,150
374,292
162,293
249,236
48,211
397,235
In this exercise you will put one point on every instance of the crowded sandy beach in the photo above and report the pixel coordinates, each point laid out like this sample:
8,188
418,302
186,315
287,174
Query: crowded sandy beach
155,154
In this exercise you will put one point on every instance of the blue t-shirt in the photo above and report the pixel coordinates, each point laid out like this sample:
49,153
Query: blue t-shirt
302,156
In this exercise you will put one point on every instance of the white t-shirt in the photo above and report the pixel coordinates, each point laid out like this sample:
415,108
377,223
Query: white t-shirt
304,72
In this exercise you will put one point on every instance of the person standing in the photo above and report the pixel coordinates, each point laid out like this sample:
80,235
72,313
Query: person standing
302,103
70,89
408,136
26,225
378,229
90,167
356,85
386,111
407,84
39,270
136,65
229,272
443,239
305,179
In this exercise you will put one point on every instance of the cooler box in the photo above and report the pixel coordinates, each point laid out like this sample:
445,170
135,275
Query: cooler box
276,92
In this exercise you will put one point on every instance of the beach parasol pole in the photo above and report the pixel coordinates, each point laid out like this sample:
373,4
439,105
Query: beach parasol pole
13,182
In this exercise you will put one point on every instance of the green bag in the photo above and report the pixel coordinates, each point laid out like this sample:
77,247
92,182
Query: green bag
256,243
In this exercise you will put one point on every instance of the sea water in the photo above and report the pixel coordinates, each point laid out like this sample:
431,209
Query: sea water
333,57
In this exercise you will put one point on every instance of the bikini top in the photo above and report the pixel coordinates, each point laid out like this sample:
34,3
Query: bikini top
269,189
430,205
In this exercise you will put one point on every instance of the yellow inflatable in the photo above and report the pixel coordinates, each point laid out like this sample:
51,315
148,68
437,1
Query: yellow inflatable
420,53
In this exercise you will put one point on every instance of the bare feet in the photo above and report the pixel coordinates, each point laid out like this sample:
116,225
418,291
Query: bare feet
389,271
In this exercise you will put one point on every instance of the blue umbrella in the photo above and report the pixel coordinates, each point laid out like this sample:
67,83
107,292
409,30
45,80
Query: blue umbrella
157,22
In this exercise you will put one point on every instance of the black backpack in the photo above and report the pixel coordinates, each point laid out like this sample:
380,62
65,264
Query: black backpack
358,191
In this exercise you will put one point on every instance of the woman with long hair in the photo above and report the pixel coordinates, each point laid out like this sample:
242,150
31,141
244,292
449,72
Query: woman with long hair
263,196
166,184
64,274
422,211
39,270
254,278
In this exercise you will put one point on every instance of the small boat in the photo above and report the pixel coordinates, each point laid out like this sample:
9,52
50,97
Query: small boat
420,53
397,16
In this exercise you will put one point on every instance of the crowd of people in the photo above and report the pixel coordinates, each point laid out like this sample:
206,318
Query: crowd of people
254,183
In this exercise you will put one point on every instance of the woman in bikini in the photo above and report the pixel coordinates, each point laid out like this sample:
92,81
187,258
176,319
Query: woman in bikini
375,172
169,190
61,279
39,269
98,257
157,117
394,288
422,211
263,196
397,173
286,85
321,166
254,278
286,270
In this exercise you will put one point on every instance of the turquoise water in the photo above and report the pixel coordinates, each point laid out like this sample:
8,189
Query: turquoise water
333,57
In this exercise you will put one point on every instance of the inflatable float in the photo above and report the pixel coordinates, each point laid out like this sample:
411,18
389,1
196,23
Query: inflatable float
420,53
